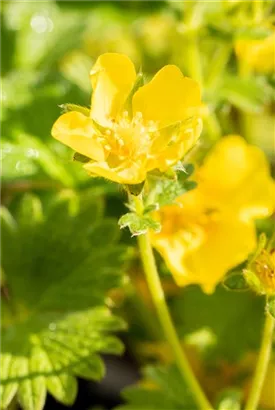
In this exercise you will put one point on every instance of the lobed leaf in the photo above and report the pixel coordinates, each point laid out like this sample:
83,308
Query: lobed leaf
165,191
138,224
44,345
165,391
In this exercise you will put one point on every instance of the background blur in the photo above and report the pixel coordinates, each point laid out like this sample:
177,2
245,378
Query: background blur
48,49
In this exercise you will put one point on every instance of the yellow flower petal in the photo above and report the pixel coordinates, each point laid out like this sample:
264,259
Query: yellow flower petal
124,174
228,242
213,230
236,176
77,132
168,97
171,154
124,147
112,77
215,248
258,54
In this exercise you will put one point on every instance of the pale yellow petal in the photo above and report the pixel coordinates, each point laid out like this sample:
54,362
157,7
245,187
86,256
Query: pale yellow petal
168,97
235,176
173,153
228,242
258,54
173,252
77,132
112,77
125,174
205,261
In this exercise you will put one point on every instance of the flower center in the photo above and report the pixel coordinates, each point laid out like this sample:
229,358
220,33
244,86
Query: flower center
264,267
128,137
191,227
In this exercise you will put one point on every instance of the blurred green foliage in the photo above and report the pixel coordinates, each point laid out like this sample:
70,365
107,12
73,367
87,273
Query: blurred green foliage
62,252
57,271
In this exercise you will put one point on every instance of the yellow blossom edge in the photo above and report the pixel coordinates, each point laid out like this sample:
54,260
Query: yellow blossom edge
235,176
124,148
257,54
212,230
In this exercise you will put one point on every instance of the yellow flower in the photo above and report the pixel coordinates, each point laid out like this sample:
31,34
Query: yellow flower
211,229
258,54
124,144
235,177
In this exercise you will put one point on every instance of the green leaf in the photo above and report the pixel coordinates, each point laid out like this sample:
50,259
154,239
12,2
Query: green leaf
230,399
27,155
31,391
247,94
81,158
44,345
138,224
165,191
95,264
150,208
167,392
236,282
221,31
271,306
253,32
46,352
234,320
8,391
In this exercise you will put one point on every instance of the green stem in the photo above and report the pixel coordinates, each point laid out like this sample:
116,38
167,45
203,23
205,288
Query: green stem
257,10
192,55
217,69
261,368
213,127
168,328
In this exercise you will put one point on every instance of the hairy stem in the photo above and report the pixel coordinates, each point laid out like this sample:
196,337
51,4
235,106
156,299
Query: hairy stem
168,328
262,364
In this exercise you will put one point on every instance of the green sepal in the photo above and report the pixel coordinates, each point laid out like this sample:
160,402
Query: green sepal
135,189
169,174
150,208
138,83
253,281
81,158
138,224
236,282
74,107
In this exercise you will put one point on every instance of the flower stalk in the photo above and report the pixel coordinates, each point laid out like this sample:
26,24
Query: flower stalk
262,364
164,316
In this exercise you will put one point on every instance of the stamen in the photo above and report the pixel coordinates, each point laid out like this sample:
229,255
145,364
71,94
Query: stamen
138,115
